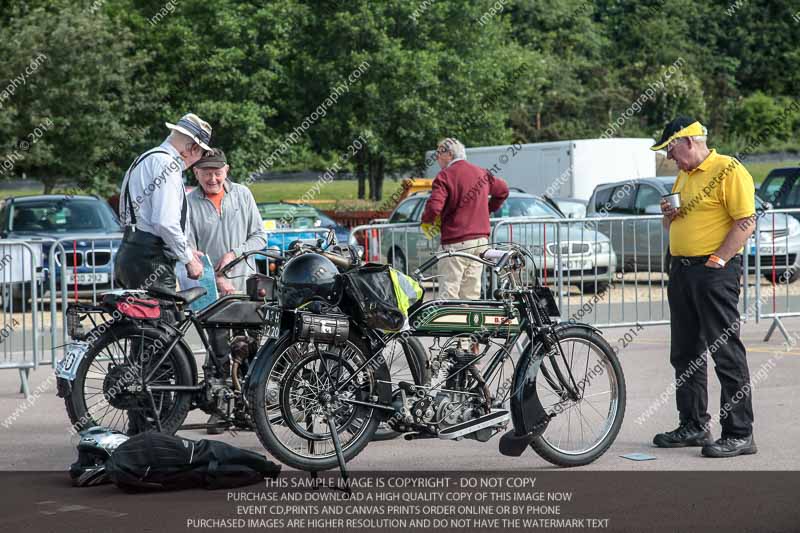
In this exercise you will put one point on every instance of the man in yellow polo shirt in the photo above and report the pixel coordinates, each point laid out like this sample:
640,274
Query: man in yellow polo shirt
706,236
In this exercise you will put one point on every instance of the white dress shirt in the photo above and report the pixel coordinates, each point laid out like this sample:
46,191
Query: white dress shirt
157,193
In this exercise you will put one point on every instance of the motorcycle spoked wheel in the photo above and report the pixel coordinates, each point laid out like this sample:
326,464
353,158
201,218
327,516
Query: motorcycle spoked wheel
581,429
112,362
290,418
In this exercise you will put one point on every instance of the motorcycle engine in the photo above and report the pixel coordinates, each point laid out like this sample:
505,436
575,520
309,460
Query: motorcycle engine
453,404
450,403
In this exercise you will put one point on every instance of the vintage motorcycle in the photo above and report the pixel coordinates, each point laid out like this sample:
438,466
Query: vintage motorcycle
133,370
321,385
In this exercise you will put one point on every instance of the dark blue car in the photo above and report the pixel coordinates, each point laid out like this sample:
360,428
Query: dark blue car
45,218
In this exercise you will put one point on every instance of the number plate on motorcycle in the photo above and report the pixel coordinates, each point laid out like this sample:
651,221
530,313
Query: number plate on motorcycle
272,321
73,354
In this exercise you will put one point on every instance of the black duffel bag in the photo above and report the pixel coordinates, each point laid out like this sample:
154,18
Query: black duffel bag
372,297
155,461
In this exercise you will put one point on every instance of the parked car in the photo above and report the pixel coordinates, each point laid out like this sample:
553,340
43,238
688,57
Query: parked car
643,245
44,218
571,207
285,215
781,188
586,254
306,220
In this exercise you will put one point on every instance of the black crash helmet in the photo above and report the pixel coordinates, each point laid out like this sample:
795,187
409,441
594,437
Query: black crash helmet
306,278
94,449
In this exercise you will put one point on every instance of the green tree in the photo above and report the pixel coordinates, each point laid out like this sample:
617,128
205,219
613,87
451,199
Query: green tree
226,61
759,112
579,87
74,110
433,70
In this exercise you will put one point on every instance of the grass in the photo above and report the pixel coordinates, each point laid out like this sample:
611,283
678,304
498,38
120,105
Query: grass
7,193
760,170
335,191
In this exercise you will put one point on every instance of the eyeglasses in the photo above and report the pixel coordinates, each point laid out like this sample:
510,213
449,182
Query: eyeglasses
672,144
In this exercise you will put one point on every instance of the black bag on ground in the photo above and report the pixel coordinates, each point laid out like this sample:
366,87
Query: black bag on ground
372,295
155,461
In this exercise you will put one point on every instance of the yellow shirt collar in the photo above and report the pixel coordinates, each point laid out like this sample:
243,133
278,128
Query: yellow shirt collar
706,162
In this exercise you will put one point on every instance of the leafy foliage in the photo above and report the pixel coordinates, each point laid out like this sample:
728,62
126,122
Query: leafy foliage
262,73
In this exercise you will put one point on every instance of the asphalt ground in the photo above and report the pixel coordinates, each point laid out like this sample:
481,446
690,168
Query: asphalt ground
676,491
38,438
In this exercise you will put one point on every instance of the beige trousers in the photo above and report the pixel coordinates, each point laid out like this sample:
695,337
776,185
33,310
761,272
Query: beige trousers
460,278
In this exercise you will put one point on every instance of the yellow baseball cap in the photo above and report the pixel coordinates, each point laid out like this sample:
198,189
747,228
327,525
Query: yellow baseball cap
680,127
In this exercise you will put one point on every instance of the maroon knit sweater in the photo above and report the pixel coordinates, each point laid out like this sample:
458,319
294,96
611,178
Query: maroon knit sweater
460,194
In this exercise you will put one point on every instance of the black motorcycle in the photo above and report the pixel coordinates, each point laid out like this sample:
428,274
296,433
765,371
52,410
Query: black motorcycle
133,370
321,385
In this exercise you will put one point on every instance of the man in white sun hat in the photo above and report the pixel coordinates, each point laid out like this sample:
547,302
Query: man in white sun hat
153,209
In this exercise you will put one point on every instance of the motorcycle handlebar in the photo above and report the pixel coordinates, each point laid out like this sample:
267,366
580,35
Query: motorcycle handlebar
484,258
338,260
502,263
271,255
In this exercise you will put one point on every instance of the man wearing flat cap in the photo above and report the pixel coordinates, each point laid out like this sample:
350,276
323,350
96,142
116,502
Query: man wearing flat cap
224,224
224,221
154,209
706,235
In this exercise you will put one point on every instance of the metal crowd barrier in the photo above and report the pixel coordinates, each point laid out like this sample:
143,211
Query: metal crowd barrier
64,259
607,271
402,245
777,259
21,286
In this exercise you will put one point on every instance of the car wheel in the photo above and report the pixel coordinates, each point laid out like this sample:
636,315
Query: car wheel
12,296
786,276
590,287
397,260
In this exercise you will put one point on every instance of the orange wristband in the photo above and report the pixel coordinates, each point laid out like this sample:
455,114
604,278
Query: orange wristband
717,259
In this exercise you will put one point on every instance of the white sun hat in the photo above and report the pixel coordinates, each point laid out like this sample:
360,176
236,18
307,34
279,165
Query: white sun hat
193,126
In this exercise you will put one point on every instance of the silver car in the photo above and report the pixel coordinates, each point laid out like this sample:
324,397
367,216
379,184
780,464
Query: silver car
643,245
581,256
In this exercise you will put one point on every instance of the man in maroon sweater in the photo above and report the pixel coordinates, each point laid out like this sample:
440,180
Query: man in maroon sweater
461,197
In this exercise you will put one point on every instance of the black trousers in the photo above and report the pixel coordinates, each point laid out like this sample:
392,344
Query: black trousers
704,317
142,263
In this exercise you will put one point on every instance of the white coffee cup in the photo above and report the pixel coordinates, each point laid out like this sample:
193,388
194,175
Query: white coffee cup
674,200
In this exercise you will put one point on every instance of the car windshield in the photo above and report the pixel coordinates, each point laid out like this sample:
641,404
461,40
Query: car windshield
288,216
326,221
63,216
781,189
526,207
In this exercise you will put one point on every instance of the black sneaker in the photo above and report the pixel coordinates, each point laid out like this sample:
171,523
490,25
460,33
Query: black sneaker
686,434
730,447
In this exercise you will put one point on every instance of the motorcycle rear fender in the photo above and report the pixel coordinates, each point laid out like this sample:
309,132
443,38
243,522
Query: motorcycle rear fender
527,413
66,368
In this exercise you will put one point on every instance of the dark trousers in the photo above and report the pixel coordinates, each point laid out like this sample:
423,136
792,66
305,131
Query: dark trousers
142,263
220,342
704,316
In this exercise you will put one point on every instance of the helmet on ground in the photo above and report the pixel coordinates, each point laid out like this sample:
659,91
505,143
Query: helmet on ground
95,447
